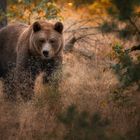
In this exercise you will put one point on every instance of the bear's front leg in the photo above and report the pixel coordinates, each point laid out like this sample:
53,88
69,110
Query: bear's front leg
25,85
24,81
9,87
52,72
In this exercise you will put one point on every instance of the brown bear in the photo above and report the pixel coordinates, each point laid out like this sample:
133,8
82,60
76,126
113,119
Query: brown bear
29,50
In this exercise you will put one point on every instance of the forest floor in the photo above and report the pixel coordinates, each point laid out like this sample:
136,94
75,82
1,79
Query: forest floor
87,84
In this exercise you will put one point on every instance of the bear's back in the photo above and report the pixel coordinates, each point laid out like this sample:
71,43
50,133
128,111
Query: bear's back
8,41
9,34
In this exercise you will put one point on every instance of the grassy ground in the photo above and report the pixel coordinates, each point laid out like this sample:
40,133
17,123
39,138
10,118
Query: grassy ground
87,84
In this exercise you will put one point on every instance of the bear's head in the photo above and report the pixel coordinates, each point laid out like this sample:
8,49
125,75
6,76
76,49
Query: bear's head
47,39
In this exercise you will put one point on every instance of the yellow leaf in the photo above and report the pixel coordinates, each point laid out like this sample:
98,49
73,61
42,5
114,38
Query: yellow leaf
41,13
70,4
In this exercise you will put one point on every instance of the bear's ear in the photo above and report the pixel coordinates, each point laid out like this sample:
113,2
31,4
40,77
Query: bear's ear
58,27
36,26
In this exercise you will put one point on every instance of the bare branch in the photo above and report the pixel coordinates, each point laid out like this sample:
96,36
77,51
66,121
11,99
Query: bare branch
80,29
134,48
85,21
70,44
84,54
134,25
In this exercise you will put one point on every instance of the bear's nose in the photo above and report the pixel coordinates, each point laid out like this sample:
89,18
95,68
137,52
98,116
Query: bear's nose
45,53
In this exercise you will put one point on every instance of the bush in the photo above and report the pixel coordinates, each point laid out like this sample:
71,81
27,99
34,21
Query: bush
127,69
82,125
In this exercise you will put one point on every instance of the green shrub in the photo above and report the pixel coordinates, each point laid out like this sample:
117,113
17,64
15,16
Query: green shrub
82,125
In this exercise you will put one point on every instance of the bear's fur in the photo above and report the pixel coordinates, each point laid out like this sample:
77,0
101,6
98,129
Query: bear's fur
30,50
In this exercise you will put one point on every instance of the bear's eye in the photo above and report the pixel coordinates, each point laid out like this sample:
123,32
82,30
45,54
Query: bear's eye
42,40
52,41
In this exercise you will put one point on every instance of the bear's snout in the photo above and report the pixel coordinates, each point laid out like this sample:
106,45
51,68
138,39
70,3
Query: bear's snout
46,53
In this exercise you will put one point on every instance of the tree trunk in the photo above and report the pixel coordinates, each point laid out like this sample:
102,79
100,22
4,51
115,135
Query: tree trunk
3,18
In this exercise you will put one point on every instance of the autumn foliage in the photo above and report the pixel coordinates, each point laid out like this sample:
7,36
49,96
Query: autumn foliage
98,97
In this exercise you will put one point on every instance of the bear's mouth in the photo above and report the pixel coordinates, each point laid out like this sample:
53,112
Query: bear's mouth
47,57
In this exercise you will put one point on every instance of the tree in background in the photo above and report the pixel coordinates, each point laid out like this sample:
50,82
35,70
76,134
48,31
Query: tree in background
3,18
124,22
125,13
27,10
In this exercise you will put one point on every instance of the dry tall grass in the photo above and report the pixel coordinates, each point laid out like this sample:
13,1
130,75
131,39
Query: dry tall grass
86,83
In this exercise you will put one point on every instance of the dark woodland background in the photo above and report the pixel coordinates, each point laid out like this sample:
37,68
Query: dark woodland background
98,97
